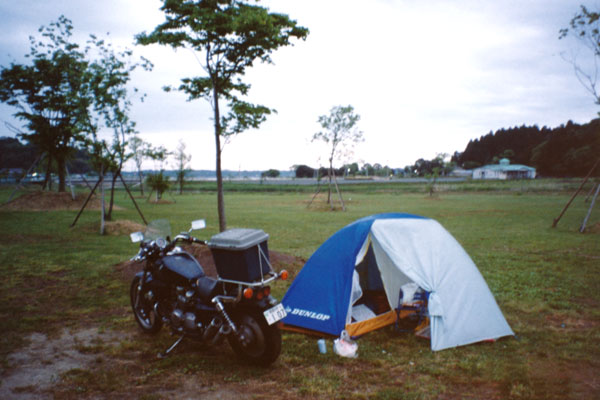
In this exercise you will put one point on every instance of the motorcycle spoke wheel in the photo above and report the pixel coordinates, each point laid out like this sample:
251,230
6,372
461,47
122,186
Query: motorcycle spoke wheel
143,312
261,344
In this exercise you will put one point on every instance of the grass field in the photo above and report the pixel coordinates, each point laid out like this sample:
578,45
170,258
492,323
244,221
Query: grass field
545,280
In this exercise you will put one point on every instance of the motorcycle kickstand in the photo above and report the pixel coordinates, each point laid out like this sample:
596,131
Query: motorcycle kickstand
166,353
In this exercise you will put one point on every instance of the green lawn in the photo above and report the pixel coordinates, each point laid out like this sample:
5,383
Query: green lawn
545,280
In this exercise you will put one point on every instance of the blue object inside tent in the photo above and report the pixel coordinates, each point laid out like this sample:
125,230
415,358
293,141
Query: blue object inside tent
329,270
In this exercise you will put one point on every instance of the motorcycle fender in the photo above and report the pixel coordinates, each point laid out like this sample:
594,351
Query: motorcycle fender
150,282
259,306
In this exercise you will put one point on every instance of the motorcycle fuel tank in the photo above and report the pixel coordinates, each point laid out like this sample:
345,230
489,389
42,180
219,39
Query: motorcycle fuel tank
180,268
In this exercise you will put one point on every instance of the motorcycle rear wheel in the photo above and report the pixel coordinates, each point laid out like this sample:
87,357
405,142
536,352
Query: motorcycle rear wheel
263,341
144,313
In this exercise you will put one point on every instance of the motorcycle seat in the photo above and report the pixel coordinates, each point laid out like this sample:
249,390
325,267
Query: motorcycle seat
207,287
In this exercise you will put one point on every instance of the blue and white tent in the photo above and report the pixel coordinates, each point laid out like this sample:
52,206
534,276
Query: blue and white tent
382,254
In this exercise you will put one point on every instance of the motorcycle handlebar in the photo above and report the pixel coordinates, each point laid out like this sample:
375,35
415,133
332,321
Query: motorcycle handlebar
187,238
145,248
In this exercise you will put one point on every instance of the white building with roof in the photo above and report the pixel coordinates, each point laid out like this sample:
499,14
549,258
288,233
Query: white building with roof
504,170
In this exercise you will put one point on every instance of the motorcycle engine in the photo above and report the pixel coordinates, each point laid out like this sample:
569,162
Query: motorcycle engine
181,319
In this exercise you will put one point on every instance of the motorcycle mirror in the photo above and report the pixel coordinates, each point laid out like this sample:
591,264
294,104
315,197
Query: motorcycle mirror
198,224
136,237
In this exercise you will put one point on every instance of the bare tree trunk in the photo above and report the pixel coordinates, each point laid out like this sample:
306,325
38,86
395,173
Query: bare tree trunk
60,164
220,197
112,195
141,181
48,177
102,210
330,172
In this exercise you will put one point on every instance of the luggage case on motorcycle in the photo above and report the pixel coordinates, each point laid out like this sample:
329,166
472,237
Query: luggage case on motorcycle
240,254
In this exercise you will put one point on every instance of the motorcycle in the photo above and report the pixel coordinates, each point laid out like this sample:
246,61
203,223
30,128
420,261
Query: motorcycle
173,290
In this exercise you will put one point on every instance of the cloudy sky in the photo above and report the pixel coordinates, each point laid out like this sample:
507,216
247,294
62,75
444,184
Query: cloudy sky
426,76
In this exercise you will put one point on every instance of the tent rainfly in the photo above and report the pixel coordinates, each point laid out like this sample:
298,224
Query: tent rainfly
354,280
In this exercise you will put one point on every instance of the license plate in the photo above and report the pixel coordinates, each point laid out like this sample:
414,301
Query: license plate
274,314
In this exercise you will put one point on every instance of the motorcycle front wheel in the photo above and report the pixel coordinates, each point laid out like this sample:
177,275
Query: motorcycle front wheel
143,312
262,342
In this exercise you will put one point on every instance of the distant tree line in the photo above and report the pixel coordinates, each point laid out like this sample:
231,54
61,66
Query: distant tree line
568,150
424,168
353,170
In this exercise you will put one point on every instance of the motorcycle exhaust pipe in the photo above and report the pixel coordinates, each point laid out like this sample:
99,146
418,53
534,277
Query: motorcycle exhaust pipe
212,329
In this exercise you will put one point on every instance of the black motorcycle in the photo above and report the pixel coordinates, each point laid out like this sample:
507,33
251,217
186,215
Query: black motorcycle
173,290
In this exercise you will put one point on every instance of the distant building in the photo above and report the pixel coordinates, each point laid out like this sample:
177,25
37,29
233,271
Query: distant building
461,173
504,170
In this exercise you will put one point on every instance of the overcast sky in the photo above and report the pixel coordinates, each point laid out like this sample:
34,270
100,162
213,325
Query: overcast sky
426,76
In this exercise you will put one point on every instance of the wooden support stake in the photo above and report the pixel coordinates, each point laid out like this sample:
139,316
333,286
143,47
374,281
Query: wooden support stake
316,193
338,192
86,202
70,183
132,199
574,195
587,197
585,220
38,159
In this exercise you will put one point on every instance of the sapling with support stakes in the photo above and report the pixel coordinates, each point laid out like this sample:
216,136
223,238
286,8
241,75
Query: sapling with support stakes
555,222
339,132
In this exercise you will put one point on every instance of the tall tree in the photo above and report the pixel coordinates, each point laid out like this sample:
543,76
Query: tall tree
585,27
52,95
111,74
340,133
67,90
229,35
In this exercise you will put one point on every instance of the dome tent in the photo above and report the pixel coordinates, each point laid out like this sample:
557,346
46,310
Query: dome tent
393,250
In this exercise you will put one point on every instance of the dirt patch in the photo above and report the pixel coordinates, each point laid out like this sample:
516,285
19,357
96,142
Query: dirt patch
51,201
593,228
278,260
34,369
114,228
568,323
160,201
